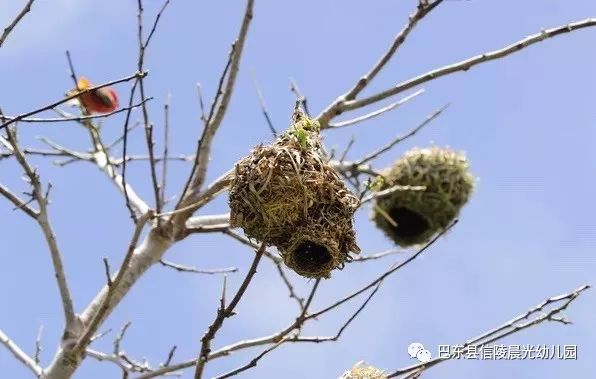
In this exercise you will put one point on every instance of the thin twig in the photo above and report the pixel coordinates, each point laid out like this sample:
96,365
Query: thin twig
389,191
288,284
109,358
126,364
65,151
107,270
18,202
73,76
14,22
101,335
252,363
344,153
120,337
38,347
157,159
201,103
181,268
300,98
170,356
399,139
166,142
262,105
121,138
375,256
376,113
225,312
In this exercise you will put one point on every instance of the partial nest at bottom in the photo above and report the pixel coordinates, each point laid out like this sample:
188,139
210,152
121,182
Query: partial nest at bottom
362,371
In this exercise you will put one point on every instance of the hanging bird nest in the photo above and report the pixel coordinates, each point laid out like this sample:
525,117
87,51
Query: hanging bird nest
411,217
362,371
285,191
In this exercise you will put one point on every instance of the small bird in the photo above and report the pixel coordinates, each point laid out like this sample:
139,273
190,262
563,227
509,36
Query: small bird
102,100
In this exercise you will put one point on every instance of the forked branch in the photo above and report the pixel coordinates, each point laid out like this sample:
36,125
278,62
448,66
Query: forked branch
466,64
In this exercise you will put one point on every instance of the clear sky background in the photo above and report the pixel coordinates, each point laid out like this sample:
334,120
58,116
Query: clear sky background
525,122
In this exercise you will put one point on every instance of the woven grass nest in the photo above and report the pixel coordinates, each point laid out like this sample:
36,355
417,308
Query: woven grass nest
286,195
413,217
363,371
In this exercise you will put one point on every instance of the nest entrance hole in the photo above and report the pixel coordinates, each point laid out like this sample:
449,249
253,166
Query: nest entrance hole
311,256
409,223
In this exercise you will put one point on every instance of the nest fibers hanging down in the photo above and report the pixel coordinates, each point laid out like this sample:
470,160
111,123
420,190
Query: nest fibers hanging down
285,194
414,217
362,371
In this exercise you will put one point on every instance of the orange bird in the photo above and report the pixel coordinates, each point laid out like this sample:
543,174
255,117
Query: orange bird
102,100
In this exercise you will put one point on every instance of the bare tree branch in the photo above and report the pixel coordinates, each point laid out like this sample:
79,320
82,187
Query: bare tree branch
532,317
44,222
18,202
143,44
156,159
252,363
20,355
14,22
220,185
471,62
224,312
346,324
339,105
382,277
214,120
94,323
300,319
154,245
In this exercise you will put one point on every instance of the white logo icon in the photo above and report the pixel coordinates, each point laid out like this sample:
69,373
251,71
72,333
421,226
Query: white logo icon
417,350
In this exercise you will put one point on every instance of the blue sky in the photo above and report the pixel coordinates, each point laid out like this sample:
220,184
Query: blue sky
526,124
